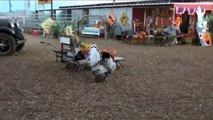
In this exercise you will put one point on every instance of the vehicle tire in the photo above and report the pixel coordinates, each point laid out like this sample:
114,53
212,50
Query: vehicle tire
20,46
100,78
7,44
118,65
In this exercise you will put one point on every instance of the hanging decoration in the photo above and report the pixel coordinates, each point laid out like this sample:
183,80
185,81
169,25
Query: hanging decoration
204,11
180,10
191,11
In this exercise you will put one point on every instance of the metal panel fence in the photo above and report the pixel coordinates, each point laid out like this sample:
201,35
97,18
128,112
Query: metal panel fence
32,21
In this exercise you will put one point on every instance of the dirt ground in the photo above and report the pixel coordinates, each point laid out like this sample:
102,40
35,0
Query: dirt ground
169,83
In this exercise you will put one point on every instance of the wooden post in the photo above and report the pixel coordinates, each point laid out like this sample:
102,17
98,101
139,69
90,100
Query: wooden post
105,29
52,9
144,22
173,16
65,16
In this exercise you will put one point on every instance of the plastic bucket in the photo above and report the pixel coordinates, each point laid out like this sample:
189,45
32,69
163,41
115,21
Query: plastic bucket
35,32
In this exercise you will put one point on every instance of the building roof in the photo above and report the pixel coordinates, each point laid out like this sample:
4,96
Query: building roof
142,3
122,4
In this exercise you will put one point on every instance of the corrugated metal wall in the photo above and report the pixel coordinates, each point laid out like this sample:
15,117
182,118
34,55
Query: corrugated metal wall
118,12
77,14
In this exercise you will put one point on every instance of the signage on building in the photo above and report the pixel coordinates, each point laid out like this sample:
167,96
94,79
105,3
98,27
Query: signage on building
91,31
42,2
111,19
123,19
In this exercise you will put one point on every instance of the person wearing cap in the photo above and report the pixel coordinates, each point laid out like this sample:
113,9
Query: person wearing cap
171,30
91,53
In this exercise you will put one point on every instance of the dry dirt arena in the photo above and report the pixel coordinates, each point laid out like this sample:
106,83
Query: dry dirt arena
153,83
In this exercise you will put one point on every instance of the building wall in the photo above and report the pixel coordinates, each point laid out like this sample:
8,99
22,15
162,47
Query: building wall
138,14
118,12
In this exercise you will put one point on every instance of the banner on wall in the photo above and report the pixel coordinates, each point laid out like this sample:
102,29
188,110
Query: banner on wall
207,6
191,11
180,10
